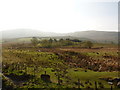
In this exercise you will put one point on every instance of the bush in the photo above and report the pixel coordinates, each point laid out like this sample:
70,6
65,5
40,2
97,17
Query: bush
88,44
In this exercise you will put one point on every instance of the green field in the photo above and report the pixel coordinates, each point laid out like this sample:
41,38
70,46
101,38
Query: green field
66,66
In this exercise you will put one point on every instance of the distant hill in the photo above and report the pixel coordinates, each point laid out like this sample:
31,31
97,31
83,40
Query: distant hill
18,33
100,36
97,35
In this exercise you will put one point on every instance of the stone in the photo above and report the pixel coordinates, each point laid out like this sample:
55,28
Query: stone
45,77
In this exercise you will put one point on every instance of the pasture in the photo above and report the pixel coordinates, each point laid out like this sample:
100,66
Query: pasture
67,67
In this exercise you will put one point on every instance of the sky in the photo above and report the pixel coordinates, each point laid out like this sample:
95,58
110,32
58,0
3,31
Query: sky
61,16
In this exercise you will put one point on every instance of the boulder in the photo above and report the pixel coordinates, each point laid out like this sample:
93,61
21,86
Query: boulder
45,77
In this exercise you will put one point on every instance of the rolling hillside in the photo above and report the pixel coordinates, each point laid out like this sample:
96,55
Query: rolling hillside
99,36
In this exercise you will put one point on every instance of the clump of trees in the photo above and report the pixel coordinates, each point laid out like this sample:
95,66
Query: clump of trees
49,43
34,41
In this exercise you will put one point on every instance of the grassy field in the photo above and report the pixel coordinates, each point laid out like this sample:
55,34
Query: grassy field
66,66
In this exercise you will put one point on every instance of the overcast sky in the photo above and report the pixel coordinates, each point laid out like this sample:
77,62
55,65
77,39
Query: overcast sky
59,15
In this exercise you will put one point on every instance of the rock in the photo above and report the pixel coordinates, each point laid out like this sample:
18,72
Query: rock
45,77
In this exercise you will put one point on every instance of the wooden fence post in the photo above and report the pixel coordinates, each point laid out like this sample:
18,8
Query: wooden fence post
96,85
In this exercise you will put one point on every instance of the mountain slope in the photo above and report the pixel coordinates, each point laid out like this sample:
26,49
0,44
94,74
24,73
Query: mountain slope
92,35
18,33
97,35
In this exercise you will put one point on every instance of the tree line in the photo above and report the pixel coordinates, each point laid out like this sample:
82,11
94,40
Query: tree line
49,43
